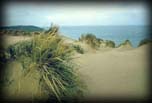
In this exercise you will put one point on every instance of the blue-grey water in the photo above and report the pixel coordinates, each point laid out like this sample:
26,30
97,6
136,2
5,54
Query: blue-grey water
118,34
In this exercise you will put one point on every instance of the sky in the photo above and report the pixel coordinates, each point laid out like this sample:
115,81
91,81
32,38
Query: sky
76,14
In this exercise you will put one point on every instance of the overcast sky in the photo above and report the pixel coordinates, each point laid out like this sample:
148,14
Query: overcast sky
75,14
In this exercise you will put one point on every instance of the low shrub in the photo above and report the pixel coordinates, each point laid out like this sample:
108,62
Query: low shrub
91,40
110,43
78,48
144,41
126,42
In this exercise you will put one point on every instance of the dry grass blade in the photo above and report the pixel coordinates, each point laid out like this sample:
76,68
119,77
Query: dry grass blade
48,82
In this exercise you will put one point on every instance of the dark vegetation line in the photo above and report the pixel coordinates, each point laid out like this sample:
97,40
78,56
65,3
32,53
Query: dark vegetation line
29,28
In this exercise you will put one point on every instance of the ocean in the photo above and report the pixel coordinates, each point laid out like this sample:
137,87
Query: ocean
118,34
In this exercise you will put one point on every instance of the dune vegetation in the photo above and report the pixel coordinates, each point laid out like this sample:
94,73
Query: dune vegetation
110,43
95,42
144,41
91,40
52,58
78,49
125,43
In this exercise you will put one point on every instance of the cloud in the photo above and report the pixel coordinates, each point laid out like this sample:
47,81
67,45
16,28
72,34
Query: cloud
110,16
75,14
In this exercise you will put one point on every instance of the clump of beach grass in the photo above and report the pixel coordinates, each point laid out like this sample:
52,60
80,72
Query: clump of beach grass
79,49
144,41
52,58
125,43
91,40
110,43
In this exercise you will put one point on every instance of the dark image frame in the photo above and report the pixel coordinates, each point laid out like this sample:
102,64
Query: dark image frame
97,100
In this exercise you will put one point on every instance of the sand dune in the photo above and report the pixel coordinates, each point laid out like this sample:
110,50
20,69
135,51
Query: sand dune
118,72
109,72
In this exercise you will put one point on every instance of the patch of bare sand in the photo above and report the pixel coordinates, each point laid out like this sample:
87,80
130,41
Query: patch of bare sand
116,72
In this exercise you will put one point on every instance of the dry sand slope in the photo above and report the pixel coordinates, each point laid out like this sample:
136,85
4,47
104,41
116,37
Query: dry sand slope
118,72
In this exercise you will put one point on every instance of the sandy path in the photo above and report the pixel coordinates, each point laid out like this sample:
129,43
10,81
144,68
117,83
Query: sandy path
116,73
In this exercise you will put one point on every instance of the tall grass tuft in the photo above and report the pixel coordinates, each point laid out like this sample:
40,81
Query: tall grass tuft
52,58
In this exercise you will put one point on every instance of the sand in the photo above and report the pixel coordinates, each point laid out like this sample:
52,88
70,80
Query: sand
108,72
116,72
